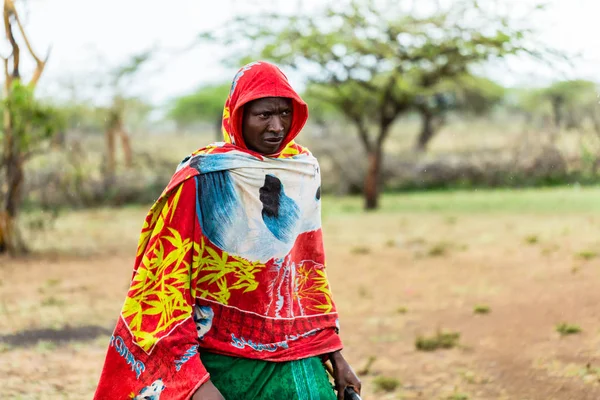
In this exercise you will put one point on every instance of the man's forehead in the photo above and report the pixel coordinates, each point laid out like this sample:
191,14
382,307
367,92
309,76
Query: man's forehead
270,102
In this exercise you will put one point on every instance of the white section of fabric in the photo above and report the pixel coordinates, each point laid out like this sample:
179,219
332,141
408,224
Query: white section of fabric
249,236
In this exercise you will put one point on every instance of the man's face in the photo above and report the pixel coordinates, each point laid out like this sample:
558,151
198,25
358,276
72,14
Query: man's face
266,123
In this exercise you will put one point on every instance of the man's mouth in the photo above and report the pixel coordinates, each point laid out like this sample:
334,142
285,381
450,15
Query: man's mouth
274,140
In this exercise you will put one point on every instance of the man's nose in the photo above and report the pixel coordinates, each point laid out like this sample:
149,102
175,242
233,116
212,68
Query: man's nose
276,124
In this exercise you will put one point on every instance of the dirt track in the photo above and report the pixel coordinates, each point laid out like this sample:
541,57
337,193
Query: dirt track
414,275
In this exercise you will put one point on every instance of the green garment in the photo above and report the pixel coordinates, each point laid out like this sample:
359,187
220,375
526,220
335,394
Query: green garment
247,379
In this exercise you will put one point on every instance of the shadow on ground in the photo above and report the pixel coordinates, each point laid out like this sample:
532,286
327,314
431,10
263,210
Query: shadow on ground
63,335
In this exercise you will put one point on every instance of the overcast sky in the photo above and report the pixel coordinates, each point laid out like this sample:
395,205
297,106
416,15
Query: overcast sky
81,31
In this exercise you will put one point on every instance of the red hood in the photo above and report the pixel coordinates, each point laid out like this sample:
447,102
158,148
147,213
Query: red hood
254,81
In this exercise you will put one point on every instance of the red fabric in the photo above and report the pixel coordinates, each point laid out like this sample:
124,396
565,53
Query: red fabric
178,271
150,342
254,81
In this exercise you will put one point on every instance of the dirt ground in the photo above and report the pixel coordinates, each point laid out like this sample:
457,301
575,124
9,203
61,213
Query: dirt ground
395,276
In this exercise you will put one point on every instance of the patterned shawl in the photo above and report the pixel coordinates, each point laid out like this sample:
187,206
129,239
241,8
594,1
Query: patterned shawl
230,260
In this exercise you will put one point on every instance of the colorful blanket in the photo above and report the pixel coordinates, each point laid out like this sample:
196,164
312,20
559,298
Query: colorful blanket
230,261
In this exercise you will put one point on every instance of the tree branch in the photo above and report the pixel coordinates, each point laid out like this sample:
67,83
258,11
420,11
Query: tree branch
363,132
348,108
9,9
387,100
29,48
40,64
7,77
38,71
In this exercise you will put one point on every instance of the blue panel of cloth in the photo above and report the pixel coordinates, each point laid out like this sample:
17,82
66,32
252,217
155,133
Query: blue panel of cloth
217,206
280,213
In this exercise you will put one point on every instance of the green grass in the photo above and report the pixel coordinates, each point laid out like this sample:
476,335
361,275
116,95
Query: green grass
532,239
118,228
458,396
537,201
438,250
366,370
481,309
385,384
52,301
442,340
360,250
565,329
587,254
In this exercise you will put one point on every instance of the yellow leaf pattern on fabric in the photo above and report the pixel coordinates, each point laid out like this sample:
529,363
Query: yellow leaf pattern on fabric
313,289
217,275
155,220
156,300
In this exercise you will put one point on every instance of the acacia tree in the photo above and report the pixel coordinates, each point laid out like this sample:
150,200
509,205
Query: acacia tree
571,104
205,104
26,126
377,59
117,80
468,94
570,101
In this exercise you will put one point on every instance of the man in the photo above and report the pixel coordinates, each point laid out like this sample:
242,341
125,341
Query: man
231,265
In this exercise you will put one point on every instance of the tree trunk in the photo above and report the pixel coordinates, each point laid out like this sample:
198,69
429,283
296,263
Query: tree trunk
126,146
372,179
115,127
10,239
13,155
427,131
557,105
110,154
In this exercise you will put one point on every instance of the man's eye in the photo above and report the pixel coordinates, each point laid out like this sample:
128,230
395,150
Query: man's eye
286,113
264,115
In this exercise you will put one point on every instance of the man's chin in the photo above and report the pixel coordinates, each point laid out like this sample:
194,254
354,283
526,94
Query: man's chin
269,149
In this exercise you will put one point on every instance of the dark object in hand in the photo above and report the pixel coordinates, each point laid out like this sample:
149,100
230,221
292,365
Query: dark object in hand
350,394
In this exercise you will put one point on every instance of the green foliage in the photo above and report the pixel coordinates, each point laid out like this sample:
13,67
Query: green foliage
320,110
130,67
205,104
32,121
81,116
466,93
527,100
572,92
136,111
372,62
572,104
476,94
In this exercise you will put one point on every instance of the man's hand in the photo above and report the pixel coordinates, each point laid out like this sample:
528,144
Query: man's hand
343,375
208,391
